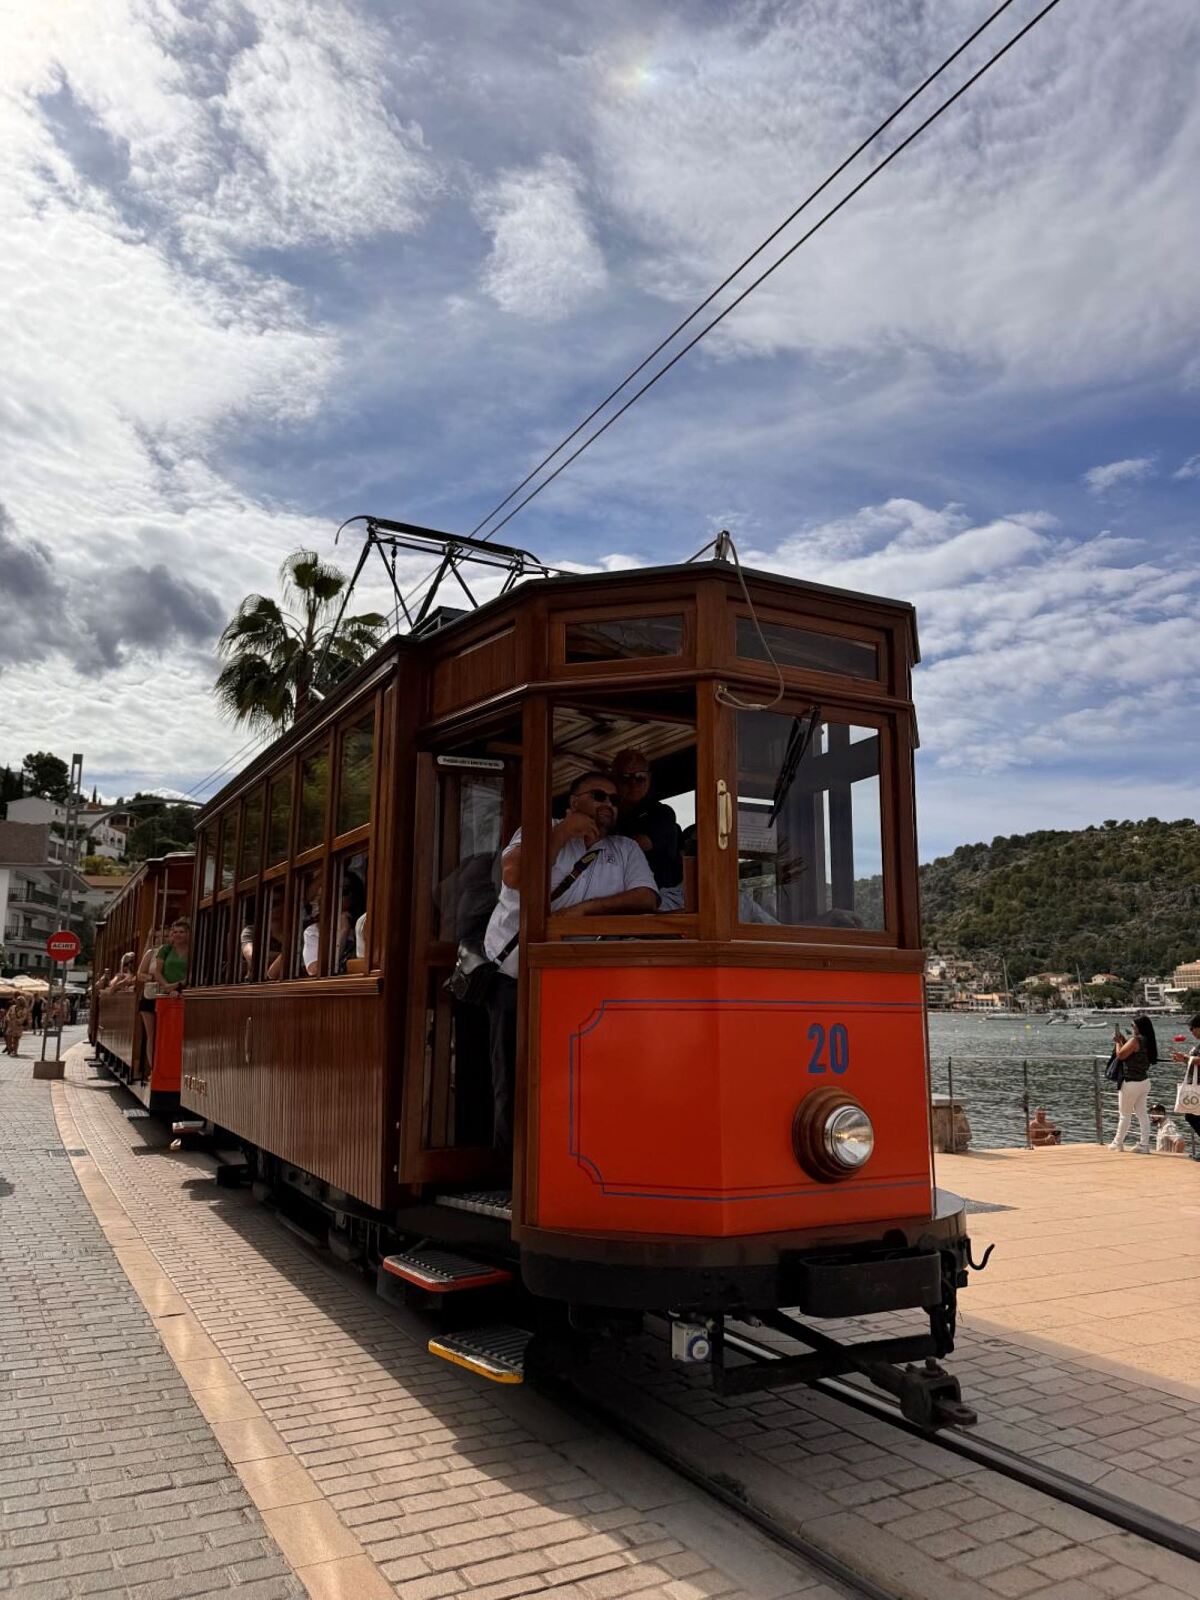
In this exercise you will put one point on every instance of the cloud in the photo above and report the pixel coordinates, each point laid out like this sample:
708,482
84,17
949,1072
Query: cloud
1189,469
1101,479
544,261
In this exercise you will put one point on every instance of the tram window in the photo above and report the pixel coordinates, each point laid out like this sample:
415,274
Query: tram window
208,843
314,792
201,948
271,952
220,951
252,821
350,898
809,822
647,747
306,946
228,849
470,809
807,650
624,638
354,777
247,917
279,819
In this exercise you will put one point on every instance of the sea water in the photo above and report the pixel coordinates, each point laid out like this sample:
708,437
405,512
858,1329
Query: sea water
985,1056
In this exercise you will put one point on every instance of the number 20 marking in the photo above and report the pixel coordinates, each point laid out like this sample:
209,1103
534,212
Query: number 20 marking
838,1057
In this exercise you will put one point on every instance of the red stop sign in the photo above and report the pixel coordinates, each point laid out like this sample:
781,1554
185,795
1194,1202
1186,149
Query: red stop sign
63,945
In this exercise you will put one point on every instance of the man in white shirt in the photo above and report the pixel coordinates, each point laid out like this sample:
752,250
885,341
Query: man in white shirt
593,872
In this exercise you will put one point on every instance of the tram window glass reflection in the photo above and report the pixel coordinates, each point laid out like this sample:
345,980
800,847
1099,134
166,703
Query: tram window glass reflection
270,955
624,638
208,844
354,778
470,810
809,822
220,950
228,849
647,747
314,791
306,946
807,650
351,873
246,918
279,819
252,821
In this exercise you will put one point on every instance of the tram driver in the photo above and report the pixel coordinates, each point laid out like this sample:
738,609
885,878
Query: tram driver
593,872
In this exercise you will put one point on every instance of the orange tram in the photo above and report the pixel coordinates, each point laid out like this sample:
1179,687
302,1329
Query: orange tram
721,1104
148,1060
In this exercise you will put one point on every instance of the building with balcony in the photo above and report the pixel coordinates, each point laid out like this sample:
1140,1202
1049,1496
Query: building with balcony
31,881
99,828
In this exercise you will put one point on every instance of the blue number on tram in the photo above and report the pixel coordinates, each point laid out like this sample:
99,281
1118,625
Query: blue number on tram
839,1048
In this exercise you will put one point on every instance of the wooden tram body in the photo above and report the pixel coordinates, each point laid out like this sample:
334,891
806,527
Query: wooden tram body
159,892
675,1070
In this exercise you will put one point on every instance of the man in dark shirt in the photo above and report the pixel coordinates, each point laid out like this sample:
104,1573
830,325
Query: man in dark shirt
651,824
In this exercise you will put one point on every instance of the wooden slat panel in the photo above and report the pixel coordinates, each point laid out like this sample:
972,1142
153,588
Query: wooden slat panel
118,1017
312,1091
476,672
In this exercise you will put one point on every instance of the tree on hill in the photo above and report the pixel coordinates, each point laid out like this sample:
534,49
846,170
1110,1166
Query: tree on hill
278,657
46,775
160,828
1189,1001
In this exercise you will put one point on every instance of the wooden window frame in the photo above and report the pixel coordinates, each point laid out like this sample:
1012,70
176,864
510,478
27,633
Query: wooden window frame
633,666
833,627
890,936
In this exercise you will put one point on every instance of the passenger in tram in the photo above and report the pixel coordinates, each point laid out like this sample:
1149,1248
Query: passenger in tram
351,913
125,974
593,872
650,824
310,938
246,950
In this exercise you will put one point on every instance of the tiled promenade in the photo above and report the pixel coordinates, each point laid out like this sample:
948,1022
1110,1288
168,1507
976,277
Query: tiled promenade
110,1479
376,1469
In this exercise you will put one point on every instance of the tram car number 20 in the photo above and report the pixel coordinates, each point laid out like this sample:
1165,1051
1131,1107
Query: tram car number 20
830,1048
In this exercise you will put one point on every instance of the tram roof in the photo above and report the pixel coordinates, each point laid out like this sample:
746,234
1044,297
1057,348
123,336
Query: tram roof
591,584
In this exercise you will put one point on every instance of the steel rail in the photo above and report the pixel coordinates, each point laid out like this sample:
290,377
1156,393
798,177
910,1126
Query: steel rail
1059,1486
722,1488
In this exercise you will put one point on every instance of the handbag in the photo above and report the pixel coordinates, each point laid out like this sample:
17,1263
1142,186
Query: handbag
474,976
1114,1071
1187,1095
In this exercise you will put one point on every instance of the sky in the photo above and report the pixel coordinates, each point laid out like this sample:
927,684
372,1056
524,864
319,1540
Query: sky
271,263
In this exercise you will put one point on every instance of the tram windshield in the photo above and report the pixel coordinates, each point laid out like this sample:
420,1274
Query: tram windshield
809,821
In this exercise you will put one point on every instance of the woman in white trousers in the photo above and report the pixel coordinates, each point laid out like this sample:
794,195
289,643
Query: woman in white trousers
1134,1094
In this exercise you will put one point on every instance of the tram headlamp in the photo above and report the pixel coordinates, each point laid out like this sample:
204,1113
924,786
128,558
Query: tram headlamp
848,1137
832,1136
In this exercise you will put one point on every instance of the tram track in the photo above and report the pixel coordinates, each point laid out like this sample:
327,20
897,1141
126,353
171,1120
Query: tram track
1060,1486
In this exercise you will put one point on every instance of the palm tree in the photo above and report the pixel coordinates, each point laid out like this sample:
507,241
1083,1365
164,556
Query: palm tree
279,656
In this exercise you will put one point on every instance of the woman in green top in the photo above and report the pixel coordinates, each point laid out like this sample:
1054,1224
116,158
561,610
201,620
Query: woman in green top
168,974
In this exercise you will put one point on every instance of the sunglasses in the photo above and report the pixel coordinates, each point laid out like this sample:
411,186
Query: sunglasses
598,795
632,777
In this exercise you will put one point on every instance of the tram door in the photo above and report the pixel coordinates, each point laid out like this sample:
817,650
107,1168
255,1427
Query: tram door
468,805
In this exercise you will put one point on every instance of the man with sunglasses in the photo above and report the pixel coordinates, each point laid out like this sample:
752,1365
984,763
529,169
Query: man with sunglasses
651,825
593,872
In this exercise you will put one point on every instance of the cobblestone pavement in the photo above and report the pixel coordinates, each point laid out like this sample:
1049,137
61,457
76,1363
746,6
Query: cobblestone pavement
416,1477
111,1482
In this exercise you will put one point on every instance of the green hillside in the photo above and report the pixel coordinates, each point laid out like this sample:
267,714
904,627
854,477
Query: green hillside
1122,898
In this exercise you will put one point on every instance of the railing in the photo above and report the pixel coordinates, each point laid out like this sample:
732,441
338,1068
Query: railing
1000,1094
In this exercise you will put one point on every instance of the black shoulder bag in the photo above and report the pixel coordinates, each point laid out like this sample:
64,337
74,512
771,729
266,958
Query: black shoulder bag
474,976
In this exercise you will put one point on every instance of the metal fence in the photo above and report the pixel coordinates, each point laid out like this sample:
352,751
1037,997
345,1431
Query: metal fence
1001,1093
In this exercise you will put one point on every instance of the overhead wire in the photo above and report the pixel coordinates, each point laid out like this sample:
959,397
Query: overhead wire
745,262
879,129
777,263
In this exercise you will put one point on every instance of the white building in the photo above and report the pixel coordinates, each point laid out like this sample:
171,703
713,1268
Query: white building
30,884
97,836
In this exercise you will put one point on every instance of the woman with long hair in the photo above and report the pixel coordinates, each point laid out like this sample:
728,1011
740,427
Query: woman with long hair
1136,1054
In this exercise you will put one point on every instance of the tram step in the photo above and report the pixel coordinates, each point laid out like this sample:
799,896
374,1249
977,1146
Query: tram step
443,1272
136,1113
195,1126
497,1352
484,1202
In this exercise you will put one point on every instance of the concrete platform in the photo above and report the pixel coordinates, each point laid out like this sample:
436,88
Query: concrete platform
1099,1254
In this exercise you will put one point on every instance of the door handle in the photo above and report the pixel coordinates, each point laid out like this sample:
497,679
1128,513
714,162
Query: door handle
246,1042
724,814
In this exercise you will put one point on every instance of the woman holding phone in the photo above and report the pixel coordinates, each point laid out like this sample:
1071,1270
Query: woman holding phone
1137,1054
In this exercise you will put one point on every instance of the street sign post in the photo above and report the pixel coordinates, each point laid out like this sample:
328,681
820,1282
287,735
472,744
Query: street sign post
63,945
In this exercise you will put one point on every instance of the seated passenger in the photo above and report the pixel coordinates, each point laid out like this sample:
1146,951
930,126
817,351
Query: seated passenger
310,938
246,950
125,977
592,873
350,914
650,824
